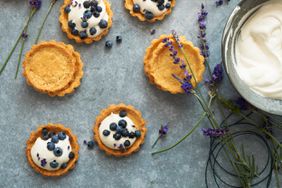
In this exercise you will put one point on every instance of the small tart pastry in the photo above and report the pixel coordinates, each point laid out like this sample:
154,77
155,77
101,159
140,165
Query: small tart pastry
120,130
159,66
86,20
52,150
53,68
149,10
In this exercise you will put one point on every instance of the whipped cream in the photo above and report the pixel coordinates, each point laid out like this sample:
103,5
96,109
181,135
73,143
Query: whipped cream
153,6
110,140
259,51
43,157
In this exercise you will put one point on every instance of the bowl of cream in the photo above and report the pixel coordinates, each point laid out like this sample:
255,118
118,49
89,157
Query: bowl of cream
252,52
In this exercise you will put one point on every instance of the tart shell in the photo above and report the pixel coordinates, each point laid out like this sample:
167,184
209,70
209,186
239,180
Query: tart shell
134,115
64,24
129,5
56,128
159,67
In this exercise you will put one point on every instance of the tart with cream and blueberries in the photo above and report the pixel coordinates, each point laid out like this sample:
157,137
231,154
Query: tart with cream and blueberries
159,68
86,20
52,150
149,10
120,130
53,67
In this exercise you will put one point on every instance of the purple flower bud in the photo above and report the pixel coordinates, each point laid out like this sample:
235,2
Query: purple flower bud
35,4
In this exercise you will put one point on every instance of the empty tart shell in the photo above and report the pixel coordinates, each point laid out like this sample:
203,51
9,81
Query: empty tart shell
53,68
159,66
129,5
64,24
138,121
55,128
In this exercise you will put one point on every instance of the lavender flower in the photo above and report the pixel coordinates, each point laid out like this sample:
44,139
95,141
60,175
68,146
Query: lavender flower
202,22
24,35
242,104
217,74
214,133
162,132
35,4
219,3
43,162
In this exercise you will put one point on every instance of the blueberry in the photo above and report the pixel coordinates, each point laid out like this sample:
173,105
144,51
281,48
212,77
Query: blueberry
50,146
83,34
96,14
131,135
136,8
90,144
55,139
149,15
106,133
92,9
71,155
64,165
93,3
86,4
167,5
160,2
58,152
99,9
137,134
62,136
161,7
122,123
45,137
122,113
51,134
67,9
75,32
92,31
84,24
54,164
44,132
119,129
109,44
87,14
124,133
103,24
126,143
71,24
113,126
117,136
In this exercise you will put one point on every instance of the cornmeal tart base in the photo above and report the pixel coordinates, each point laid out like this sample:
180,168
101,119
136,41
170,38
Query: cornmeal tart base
134,115
55,128
159,66
64,24
129,5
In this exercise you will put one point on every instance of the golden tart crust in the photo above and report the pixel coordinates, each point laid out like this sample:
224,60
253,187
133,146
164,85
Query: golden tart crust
129,5
134,115
55,128
42,70
64,24
159,66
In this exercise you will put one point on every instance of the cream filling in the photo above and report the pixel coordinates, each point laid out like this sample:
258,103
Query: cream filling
150,6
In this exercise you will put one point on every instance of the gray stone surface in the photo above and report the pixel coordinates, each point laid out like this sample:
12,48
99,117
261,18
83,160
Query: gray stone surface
111,76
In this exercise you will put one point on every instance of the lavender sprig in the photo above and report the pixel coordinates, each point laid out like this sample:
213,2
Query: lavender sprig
214,133
162,132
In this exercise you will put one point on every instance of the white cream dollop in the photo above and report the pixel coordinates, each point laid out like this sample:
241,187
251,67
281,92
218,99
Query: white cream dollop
149,5
259,51
109,140
40,152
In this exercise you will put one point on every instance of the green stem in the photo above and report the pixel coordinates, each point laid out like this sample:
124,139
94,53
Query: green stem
186,136
20,58
156,141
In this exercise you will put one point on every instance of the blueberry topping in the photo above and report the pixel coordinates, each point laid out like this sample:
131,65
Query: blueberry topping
160,2
92,31
75,32
45,137
167,5
113,126
71,155
86,4
131,135
50,146
99,9
62,136
84,24
58,151
149,15
83,34
122,113
103,24
54,164
87,14
71,24
90,144
137,134
55,139
136,8
51,134
64,165
161,7
93,3
117,136
109,44
124,133
67,9
122,123
96,14
44,132
126,143
106,133
119,129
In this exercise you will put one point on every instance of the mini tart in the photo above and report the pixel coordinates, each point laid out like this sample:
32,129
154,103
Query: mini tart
159,66
129,5
53,68
136,118
63,19
54,128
